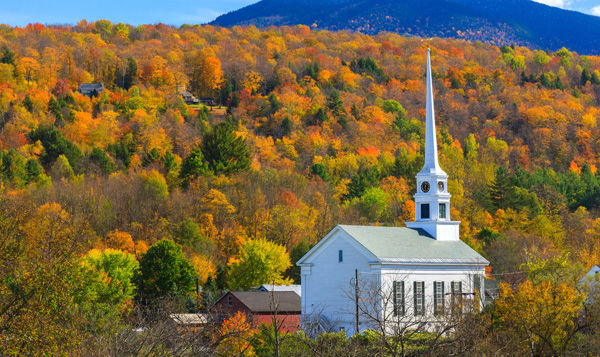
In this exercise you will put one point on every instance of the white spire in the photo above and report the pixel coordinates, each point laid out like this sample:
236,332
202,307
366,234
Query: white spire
431,165
432,199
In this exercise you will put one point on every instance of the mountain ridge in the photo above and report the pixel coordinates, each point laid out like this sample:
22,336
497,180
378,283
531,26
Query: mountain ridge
501,22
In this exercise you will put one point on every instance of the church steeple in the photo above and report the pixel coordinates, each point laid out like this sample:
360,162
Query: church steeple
432,199
431,165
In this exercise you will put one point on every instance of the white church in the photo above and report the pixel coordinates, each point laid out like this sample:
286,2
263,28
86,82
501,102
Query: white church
359,277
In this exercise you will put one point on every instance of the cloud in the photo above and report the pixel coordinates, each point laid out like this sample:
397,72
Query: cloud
556,3
595,10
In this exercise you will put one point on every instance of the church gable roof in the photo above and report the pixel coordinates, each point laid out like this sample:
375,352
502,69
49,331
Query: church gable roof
399,244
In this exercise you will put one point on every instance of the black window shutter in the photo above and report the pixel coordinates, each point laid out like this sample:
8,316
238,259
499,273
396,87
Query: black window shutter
415,297
395,297
402,311
423,297
435,298
443,304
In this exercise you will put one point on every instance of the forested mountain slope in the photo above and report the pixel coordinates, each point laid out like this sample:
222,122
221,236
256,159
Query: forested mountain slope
316,128
502,22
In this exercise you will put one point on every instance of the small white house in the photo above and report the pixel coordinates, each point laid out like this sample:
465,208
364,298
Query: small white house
407,277
590,284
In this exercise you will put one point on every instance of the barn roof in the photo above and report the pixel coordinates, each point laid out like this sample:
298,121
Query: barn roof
91,86
406,245
261,301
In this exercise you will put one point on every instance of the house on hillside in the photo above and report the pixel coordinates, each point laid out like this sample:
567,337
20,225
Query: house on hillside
91,89
590,284
262,307
188,98
207,101
396,278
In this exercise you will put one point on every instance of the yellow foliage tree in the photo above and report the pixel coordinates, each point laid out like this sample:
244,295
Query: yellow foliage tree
207,75
544,316
252,81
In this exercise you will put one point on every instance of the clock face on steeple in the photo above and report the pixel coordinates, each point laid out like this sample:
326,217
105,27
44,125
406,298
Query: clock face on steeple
440,186
425,186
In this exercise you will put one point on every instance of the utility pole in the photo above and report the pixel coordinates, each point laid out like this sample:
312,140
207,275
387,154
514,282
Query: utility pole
356,298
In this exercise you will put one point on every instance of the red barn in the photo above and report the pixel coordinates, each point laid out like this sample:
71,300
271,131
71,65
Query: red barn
261,306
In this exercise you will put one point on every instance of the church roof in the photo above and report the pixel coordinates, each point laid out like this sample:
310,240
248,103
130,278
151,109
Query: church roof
400,244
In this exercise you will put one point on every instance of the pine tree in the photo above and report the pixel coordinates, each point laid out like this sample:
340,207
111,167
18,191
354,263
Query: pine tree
334,103
224,151
498,190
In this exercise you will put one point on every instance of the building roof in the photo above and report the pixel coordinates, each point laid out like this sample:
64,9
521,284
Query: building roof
270,287
260,301
400,243
189,319
91,86
406,245
591,276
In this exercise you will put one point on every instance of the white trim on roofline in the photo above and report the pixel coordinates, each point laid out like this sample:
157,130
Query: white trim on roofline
303,261
433,261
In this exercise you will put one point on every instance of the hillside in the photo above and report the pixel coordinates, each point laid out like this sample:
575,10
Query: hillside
315,129
501,22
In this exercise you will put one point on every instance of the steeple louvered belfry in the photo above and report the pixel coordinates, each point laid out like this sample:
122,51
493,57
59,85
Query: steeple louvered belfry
432,199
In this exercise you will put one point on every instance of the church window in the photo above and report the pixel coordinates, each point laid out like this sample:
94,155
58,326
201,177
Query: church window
438,297
442,210
456,298
477,290
398,298
424,210
419,296
340,256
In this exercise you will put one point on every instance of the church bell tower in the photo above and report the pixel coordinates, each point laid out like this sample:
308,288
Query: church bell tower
432,199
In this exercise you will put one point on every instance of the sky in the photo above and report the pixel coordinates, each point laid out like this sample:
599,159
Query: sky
175,12
135,12
591,7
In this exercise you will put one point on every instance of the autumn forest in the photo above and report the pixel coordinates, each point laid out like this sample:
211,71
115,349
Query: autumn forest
309,129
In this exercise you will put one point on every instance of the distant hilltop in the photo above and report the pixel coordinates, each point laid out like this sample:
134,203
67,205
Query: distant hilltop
501,22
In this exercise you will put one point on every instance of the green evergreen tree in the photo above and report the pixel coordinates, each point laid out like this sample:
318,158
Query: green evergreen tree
34,170
286,126
361,181
585,76
224,151
131,72
225,92
321,171
7,56
193,166
99,157
335,104
499,189
55,144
